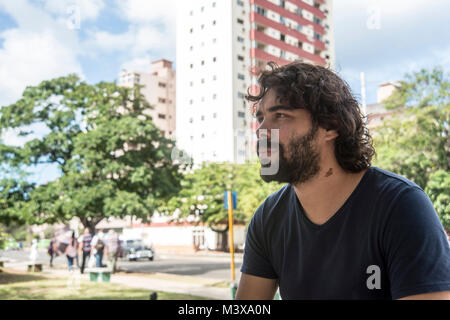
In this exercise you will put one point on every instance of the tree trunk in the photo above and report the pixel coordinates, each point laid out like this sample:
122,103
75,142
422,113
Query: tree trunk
90,224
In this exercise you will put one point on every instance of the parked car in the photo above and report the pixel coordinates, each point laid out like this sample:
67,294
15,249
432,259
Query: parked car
136,249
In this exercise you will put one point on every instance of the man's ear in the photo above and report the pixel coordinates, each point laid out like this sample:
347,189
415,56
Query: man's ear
330,134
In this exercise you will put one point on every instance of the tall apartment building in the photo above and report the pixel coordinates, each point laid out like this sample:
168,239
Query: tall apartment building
219,46
159,91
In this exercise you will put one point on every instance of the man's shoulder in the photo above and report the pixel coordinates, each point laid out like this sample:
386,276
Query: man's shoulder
387,179
274,201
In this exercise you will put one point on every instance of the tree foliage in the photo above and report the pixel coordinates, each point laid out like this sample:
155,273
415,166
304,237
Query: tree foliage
415,142
113,160
202,195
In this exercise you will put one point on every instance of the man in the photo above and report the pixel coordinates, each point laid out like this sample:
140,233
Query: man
97,247
112,248
340,229
85,248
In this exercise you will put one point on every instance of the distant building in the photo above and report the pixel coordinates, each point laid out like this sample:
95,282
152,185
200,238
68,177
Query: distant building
376,112
159,90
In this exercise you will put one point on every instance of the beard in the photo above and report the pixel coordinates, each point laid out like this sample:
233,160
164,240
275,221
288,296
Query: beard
299,166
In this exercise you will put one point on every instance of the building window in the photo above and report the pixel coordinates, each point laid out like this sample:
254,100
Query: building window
202,26
214,78
192,65
214,22
214,96
241,114
161,116
240,95
161,100
192,30
240,39
202,9
214,115
214,4
203,62
191,83
240,58
282,37
282,21
202,80
261,11
161,85
191,48
191,101
241,76
214,40
203,135
191,120
202,118
240,21
214,59
240,3
282,3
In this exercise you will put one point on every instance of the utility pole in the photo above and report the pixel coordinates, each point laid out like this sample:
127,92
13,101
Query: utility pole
363,96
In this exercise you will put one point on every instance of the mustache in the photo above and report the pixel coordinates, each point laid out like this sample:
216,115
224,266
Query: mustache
266,144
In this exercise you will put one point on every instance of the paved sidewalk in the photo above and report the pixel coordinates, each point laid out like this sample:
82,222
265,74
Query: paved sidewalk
152,282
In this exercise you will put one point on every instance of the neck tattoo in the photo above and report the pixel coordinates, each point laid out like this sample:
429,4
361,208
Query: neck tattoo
329,173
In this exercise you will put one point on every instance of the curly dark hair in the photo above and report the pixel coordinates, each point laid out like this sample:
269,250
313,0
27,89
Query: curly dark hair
330,102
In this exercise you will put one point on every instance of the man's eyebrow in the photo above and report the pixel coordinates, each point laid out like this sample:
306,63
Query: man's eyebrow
280,107
274,109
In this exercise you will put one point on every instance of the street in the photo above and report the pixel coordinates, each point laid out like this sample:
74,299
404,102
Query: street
210,267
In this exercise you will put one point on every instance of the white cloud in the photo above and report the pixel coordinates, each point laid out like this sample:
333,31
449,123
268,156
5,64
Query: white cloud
142,64
89,9
40,48
137,40
28,58
144,11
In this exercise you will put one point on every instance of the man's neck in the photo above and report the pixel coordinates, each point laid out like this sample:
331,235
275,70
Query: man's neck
323,195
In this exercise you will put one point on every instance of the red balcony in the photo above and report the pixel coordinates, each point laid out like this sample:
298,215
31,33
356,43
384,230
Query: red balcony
288,14
260,19
264,56
264,38
303,5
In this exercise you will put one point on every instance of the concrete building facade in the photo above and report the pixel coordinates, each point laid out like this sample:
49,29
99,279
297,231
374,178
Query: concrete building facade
159,90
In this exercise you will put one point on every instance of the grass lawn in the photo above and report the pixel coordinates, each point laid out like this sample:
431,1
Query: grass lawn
16,285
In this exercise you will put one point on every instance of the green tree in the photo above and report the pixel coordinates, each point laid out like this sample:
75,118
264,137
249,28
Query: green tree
202,195
415,141
113,160
421,89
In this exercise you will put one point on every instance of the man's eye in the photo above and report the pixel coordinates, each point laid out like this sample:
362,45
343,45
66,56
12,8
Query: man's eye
280,116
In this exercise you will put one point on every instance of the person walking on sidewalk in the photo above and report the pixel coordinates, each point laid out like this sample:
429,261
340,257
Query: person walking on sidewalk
71,251
111,249
85,248
52,251
98,247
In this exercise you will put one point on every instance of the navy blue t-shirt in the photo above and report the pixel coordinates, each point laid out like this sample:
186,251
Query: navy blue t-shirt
385,242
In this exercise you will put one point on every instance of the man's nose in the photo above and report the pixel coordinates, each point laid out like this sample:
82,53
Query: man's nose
263,132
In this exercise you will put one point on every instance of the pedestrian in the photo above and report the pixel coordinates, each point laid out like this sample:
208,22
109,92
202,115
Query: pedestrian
71,251
98,247
34,254
51,250
85,248
340,228
112,245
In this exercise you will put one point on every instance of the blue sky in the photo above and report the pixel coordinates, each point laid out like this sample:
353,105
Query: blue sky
43,39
